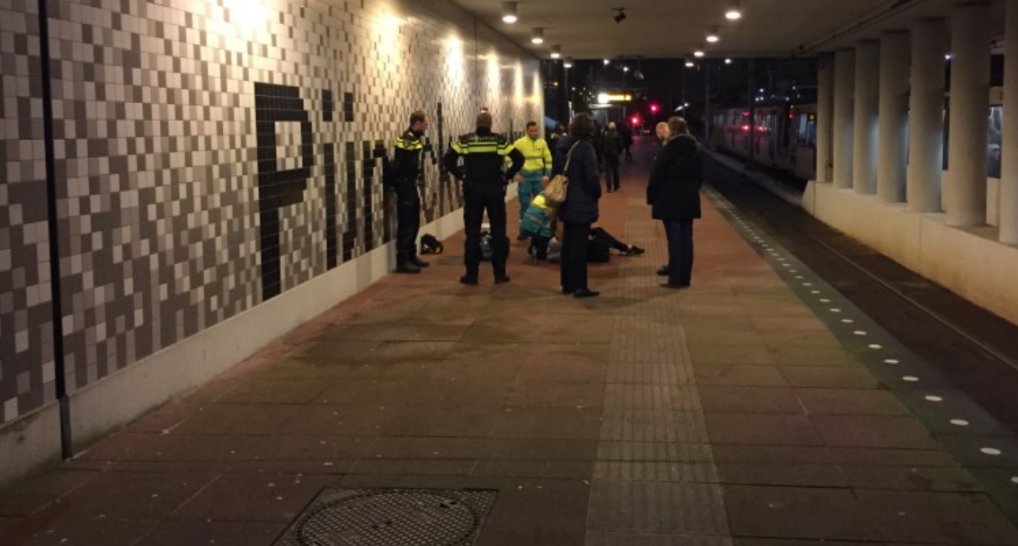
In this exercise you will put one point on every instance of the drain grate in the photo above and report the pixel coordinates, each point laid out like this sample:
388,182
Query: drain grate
390,517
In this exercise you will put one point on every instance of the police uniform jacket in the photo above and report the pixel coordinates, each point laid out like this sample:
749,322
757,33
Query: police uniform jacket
483,154
406,164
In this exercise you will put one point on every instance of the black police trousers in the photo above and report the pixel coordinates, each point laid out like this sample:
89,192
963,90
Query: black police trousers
408,220
478,198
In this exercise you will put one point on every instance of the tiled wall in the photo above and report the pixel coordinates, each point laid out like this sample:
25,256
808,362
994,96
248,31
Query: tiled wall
26,312
211,154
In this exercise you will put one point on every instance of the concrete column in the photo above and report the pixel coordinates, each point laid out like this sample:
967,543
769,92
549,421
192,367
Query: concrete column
926,118
844,92
867,98
970,100
825,115
1008,220
893,124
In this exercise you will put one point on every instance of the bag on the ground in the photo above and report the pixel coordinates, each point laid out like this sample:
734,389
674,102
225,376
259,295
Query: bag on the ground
598,251
430,244
488,246
558,188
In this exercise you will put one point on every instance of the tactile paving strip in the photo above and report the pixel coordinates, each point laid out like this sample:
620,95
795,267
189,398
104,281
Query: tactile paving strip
977,440
390,517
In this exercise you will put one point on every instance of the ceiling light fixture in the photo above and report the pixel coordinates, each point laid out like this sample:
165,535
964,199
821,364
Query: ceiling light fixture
509,12
699,53
620,16
712,35
728,60
556,52
569,64
689,63
733,12
607,62
538,37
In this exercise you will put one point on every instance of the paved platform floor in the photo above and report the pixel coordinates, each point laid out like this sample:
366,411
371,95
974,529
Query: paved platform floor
726,414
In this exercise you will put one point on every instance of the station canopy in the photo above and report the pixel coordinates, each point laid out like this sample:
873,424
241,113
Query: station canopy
588,29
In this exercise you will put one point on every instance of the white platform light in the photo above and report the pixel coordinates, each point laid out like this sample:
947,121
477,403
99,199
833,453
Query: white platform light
509,13
733,12
538,37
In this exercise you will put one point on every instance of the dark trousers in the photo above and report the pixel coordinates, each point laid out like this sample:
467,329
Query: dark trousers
629,154
476,201
408,220
575,238
680,251
602,235
611,171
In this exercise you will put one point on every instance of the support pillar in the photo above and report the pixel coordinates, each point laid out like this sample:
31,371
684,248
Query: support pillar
825,115
867,98
844,91
893,124
926,118
970,100
1008,220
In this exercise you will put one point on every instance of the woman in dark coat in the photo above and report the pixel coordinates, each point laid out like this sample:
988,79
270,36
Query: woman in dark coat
674,195
580,209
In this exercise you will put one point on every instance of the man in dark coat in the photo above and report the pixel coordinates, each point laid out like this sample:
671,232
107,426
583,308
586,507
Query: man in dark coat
580,208
674,195
611,144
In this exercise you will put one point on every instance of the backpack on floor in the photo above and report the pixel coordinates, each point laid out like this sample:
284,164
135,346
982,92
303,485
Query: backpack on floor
598,251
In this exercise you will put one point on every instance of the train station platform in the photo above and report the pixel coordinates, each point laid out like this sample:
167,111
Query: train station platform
757,408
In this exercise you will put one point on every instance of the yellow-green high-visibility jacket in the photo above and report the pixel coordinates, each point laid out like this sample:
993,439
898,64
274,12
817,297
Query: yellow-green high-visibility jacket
536,153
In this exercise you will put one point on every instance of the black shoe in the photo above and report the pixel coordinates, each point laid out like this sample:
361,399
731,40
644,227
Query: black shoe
468,280
419,263
501,279
633,250
674,286
586,293
522,237
568,291
663,271
408,267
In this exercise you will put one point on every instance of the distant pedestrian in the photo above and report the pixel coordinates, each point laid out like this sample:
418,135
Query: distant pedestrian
611,144
626,132
674,195
580,208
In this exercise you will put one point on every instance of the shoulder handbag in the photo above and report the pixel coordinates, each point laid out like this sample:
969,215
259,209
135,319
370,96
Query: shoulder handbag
559,186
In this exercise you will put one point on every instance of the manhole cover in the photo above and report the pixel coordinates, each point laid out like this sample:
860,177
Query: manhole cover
390,517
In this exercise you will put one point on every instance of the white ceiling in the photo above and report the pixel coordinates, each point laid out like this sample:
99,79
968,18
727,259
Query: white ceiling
673,28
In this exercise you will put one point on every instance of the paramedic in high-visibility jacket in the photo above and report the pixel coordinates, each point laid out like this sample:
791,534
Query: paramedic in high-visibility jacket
536,169
485,179
403,176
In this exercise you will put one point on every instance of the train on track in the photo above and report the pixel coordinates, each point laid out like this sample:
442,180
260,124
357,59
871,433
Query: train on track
785,135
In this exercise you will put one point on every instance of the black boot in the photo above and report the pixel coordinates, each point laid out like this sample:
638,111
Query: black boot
407,267
419,262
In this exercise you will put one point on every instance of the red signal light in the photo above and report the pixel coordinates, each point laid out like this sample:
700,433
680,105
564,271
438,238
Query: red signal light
654,108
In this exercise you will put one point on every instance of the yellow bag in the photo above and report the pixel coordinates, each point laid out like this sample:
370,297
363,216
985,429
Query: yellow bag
558,188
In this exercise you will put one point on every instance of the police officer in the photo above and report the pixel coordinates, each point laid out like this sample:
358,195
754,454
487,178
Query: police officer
535,171
403,176
484,186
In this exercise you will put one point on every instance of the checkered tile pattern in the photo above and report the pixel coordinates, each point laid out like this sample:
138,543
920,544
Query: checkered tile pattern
158,167
26,316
